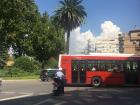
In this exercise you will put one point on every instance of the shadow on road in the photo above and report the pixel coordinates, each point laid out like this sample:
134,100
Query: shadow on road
92,96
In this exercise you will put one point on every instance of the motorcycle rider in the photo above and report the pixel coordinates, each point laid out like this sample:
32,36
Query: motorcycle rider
60,76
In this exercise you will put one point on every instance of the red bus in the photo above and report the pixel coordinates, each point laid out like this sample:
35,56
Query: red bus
101,69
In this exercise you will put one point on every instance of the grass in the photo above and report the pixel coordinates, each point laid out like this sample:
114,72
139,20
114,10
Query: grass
17,75
21,78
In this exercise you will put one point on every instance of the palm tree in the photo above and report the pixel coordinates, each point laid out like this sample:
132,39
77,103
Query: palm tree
69,15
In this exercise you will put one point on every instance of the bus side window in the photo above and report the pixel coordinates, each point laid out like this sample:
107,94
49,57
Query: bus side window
94,68
82,69
138,63
135,66
128,68
121,67
116,68
110,68
87,68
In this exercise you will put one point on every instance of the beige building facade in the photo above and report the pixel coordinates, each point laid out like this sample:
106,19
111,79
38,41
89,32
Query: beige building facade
132,42
107,46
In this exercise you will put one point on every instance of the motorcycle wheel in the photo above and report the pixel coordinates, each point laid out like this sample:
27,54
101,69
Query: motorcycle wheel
43,78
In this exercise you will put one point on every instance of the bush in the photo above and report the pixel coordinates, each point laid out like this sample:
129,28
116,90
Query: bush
52,63
16,72
2,73
11,72
26,64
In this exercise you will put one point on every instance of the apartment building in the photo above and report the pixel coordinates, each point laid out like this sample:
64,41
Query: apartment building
132,42
128,43
107,46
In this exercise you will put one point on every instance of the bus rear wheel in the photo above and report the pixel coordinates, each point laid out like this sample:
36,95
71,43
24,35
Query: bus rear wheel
96,81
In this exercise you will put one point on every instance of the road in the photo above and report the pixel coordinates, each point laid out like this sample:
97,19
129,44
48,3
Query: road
35,92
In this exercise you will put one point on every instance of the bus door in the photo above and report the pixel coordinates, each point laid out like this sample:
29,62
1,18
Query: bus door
78,71
131,72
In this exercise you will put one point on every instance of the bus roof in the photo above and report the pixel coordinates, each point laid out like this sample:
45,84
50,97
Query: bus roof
105,54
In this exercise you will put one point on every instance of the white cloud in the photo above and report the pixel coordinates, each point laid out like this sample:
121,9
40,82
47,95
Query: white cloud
109,31
78,40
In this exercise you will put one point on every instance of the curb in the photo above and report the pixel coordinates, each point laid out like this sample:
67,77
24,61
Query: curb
21,80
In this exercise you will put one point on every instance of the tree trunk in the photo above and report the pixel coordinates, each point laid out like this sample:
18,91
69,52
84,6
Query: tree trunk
19,51
43,65
68,39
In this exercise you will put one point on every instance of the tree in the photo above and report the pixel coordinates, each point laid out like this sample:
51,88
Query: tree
16,20
69,15
29,32
3,55
47,40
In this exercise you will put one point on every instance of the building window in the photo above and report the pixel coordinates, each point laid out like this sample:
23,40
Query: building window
134,42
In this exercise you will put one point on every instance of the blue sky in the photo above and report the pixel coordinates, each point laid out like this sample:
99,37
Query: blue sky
125,14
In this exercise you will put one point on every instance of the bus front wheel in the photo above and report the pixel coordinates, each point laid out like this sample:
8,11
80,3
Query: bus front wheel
96,81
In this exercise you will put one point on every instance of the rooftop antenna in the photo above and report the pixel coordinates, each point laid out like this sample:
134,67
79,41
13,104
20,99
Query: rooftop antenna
135,26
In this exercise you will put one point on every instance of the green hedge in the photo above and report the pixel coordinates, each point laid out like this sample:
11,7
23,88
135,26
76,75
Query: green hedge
16,72
52,63
26,64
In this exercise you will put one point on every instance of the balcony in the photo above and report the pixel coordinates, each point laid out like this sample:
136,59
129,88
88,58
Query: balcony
137,47
135,36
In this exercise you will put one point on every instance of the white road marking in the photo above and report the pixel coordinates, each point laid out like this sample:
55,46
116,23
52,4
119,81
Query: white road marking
88,100
77,101
50,100
43,93
61,103
44,101
8,92
16,97
102,96
127,98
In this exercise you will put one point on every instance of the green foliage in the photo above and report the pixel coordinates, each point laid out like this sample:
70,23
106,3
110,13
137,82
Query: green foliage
26,64
52,63
29,32
2,73
69,15
16,21
16,72
47,40
3,55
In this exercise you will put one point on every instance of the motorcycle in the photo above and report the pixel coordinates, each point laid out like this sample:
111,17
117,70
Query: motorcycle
44,76
56,87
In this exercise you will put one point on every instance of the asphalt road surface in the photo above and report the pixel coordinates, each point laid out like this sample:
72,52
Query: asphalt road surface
35,92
